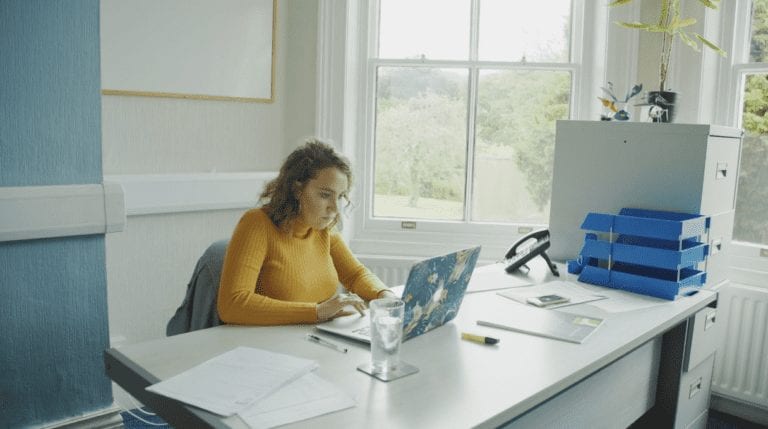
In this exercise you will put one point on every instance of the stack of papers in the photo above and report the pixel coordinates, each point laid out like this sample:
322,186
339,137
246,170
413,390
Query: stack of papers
266,389
307,397
575,293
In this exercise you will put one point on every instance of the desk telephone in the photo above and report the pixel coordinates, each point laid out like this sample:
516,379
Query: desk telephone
528,247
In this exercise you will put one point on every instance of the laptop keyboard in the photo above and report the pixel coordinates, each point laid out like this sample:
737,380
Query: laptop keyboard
364,331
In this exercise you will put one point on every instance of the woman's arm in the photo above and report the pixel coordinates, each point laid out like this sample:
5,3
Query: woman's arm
352,274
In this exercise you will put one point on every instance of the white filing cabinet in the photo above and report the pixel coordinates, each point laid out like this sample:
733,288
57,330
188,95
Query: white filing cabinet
605,166
692,168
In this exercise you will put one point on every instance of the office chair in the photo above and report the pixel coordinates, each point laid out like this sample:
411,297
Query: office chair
198,310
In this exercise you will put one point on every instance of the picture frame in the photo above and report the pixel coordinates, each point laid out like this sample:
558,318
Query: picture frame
194,49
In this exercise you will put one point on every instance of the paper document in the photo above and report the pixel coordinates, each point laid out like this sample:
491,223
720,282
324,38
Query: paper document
234,380
307,397
555,324
623,301
492,277
575,293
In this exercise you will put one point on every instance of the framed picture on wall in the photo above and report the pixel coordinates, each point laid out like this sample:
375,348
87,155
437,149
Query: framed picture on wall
207,49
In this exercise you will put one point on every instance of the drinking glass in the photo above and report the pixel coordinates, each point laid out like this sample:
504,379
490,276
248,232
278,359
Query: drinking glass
386,334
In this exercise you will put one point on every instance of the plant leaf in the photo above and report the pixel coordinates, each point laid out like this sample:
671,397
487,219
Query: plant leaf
633,92
708,4
711,45
635,25
681,23
620,2
684,37
609,93
609,104
659,29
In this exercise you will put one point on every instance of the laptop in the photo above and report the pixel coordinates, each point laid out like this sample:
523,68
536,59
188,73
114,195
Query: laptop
432,296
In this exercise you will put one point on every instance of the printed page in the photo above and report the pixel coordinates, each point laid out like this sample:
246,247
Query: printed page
231,381
307,397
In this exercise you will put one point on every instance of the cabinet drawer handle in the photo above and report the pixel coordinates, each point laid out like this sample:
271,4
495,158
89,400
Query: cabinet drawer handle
694,388
715,246
709,320
722,170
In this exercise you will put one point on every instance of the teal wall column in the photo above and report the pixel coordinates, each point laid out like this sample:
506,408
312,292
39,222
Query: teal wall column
53,307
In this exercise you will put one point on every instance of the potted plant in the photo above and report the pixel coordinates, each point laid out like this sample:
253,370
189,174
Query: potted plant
671,26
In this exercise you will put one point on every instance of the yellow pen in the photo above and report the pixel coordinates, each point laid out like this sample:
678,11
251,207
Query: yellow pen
479,338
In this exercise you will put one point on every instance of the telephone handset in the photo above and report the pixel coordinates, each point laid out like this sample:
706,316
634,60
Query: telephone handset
527,248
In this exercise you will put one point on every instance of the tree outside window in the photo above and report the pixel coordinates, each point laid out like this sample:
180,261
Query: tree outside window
751,223
465,127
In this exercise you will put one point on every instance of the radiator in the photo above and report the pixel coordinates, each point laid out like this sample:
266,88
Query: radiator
393,271
741,364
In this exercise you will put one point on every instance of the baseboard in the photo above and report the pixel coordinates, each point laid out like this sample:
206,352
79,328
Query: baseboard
107,418
752,412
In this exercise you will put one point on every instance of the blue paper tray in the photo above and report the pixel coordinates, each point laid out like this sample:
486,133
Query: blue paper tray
647,281
653,252
671,255
648,223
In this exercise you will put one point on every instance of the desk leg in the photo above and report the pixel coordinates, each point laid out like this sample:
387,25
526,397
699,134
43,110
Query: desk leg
663,413
134,380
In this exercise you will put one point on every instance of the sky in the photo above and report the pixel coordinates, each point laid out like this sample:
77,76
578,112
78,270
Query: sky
509,29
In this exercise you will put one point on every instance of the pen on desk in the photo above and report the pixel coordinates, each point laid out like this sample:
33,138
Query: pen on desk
479,338
324,342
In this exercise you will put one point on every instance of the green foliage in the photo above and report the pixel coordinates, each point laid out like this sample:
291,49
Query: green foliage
518,109
751,223
421,129
397,84
421,135
759,48
671,25
752,199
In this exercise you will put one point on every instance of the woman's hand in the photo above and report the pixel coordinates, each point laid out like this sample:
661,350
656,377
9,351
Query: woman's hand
334,306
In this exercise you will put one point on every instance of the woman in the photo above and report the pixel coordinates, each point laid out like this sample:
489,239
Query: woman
285,259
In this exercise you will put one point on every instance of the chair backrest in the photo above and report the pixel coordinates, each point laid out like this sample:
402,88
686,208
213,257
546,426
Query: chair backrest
198,310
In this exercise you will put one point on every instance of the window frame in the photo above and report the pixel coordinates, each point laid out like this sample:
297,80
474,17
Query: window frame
749,261
387,236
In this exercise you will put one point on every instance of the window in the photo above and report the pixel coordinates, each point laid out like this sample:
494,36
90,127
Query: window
751,73
463,110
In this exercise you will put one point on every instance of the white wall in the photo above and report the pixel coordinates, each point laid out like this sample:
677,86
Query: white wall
150,263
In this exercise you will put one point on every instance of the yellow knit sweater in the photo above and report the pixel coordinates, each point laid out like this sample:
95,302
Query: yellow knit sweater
271,277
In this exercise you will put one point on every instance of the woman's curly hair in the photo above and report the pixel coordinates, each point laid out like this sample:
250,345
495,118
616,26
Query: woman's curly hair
279,198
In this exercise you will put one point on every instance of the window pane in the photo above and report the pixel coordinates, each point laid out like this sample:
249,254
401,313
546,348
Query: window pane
759,46
531,31
752,196
515,142
434,29
420,143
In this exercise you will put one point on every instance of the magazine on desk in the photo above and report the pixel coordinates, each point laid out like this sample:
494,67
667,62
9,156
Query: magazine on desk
554,324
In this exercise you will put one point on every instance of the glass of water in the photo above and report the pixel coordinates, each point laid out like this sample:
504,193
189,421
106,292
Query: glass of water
386,334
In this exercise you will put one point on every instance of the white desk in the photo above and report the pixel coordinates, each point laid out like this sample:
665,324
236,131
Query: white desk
526,381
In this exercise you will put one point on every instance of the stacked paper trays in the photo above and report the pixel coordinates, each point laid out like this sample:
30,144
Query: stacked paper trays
644,251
